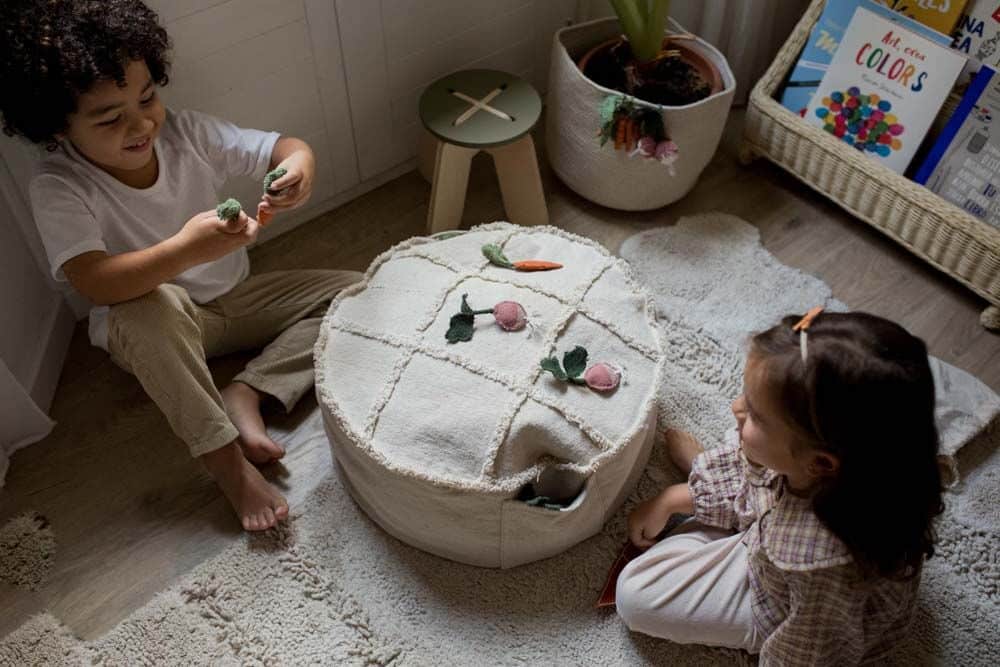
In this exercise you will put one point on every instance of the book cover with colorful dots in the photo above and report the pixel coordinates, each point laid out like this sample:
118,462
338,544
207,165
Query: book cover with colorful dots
885,85
825,36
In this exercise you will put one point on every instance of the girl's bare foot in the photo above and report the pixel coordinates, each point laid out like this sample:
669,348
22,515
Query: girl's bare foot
243,406
258,505
682,447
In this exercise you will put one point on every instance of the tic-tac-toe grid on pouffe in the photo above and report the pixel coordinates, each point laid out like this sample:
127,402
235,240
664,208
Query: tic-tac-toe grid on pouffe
469,449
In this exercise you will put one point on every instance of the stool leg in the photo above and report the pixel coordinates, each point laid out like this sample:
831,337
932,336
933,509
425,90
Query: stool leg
451,177
520,182
426,154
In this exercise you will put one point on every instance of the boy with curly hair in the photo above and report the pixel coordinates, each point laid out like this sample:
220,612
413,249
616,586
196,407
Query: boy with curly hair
124,202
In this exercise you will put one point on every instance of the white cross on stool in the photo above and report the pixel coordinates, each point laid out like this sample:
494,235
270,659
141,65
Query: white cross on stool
450,140
480,105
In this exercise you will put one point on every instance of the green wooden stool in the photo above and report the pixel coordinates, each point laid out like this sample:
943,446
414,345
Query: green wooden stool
481,110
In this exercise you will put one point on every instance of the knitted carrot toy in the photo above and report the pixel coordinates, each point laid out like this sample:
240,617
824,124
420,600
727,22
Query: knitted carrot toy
493,253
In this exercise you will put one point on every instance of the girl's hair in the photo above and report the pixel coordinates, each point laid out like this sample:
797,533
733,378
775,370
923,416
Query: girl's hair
865,394
52,51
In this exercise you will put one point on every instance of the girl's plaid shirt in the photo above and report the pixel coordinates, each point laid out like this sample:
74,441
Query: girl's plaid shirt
809,600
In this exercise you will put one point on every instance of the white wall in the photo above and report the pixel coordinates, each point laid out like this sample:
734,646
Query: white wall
269,65
394,48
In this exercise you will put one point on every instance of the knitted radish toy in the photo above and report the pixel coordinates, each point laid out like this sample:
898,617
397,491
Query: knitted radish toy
599,377
510,315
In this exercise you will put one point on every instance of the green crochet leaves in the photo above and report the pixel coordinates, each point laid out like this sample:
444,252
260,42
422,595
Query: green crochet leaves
572,368
271,177
462,324
544,502
493,253
608,108
228,210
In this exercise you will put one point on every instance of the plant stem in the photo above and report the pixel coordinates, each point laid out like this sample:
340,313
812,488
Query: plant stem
643,22
655,27
633,23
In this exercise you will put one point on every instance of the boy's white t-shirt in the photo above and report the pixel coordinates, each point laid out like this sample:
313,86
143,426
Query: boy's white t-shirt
79,208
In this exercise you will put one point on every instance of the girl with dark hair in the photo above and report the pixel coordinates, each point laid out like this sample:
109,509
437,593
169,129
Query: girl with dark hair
809,535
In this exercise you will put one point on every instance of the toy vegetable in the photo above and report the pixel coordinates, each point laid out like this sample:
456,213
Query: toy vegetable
229,210
599,377
493,253
510,315
263,216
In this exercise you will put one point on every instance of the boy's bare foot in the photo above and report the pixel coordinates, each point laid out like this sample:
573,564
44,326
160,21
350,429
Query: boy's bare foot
682,447
243,406
258,505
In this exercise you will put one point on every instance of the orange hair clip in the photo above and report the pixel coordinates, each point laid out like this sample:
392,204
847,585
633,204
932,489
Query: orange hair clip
807,319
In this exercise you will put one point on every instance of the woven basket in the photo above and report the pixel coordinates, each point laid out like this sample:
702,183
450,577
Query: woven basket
610,177
935,230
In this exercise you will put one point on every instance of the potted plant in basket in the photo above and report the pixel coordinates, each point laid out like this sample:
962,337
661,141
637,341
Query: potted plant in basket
662,98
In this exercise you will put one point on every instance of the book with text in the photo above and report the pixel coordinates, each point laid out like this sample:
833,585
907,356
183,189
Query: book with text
977,36
885,85
941,15
963,167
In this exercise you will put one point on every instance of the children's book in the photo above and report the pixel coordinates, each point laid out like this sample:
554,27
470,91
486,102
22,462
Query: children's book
964,164
829,30
978,35
940,15
978,32
886,83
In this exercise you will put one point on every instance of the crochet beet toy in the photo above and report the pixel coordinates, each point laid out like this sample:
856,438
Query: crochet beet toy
510,315
599,377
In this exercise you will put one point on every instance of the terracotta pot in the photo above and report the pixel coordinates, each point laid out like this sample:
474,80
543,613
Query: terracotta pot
704,67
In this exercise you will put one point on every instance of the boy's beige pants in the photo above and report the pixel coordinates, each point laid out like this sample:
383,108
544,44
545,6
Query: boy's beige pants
164,338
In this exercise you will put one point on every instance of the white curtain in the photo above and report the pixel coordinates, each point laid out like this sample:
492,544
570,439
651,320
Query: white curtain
32,339
748,32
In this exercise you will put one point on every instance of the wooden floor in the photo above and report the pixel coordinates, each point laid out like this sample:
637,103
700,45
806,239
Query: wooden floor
131,511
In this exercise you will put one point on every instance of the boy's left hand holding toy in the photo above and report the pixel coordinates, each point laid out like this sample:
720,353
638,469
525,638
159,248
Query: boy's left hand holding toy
289,184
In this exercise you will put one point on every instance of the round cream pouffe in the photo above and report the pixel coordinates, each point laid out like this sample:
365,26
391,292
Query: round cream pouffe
468,449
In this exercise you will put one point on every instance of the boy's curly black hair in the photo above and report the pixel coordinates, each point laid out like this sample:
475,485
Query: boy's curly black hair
52,51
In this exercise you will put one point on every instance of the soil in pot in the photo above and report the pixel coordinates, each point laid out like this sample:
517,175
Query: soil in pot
672,81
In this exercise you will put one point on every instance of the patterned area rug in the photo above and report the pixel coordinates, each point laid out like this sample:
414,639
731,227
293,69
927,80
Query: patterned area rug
332,588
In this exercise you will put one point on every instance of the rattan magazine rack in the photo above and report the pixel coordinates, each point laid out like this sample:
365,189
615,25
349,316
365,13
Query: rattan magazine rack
935,230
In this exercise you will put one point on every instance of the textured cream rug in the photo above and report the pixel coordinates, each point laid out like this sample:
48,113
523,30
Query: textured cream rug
332,588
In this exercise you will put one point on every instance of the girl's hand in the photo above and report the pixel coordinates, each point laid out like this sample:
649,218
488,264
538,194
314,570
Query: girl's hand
205,238
295,187
650,517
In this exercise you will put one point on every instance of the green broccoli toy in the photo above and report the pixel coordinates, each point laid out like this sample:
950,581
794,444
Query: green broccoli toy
271,177
228,210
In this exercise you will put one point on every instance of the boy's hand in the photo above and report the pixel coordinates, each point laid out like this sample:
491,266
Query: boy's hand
650,517
205,237
295,187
